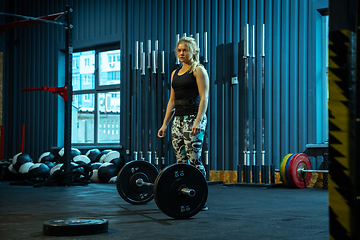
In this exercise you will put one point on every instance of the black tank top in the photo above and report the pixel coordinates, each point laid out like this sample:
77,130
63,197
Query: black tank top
186,90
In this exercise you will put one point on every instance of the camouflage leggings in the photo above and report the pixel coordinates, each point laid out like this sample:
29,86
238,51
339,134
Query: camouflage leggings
188,147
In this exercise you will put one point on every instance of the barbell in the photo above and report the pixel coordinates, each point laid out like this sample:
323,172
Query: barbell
296,170
180,190
186,191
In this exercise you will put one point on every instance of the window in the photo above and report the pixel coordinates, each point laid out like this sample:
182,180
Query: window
96,97
75,64
109,67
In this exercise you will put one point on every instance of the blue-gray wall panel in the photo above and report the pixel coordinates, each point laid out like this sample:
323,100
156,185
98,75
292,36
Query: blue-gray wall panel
284,77
293,77
290,67
275,82
303,69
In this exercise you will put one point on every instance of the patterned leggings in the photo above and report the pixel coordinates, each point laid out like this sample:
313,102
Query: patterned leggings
188,147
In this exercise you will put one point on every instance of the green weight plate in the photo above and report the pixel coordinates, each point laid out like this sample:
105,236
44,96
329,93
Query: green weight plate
282,169
299,180
75,226
126,182
167,191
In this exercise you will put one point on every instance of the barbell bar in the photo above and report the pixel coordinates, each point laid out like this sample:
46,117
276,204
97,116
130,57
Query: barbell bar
186,191
180,190
312,171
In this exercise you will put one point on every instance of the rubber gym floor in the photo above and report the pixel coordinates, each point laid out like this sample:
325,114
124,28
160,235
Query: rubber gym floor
235,212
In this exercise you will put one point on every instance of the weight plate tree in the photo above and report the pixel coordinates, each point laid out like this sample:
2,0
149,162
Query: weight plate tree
168,187
129,189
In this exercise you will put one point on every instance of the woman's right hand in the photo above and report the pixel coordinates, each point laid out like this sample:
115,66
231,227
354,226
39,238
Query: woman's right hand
162,131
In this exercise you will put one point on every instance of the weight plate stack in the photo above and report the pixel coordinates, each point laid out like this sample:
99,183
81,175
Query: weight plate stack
75,226
167,191
126,182
282,169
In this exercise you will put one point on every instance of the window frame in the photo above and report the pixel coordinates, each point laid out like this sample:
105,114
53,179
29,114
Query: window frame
96,91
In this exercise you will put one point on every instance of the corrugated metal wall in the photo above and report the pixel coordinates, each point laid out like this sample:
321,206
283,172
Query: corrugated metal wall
290,71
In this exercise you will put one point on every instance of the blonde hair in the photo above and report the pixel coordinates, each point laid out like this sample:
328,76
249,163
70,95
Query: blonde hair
193,48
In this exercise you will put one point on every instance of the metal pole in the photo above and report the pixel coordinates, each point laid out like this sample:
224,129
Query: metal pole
156,54
149,154
255,167
68,104
177,40
197,38
134,118
156,160
162,62
205,48
154,61
153,106
143,63
162,161
206,139
161,90
264,168
246,108
141,55
149,53
136,55
141,114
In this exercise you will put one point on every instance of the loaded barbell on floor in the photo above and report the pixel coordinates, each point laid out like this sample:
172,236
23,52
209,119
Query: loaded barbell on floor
180,190
296,170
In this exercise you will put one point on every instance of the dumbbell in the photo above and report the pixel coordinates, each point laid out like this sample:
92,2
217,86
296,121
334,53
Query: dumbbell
180,190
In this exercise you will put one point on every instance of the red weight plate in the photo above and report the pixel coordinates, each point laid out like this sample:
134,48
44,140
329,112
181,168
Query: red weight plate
298,178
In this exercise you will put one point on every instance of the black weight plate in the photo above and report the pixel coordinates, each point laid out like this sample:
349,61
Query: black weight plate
126,182
75,226
167,194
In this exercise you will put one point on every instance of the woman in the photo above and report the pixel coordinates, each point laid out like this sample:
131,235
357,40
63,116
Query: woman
188,103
